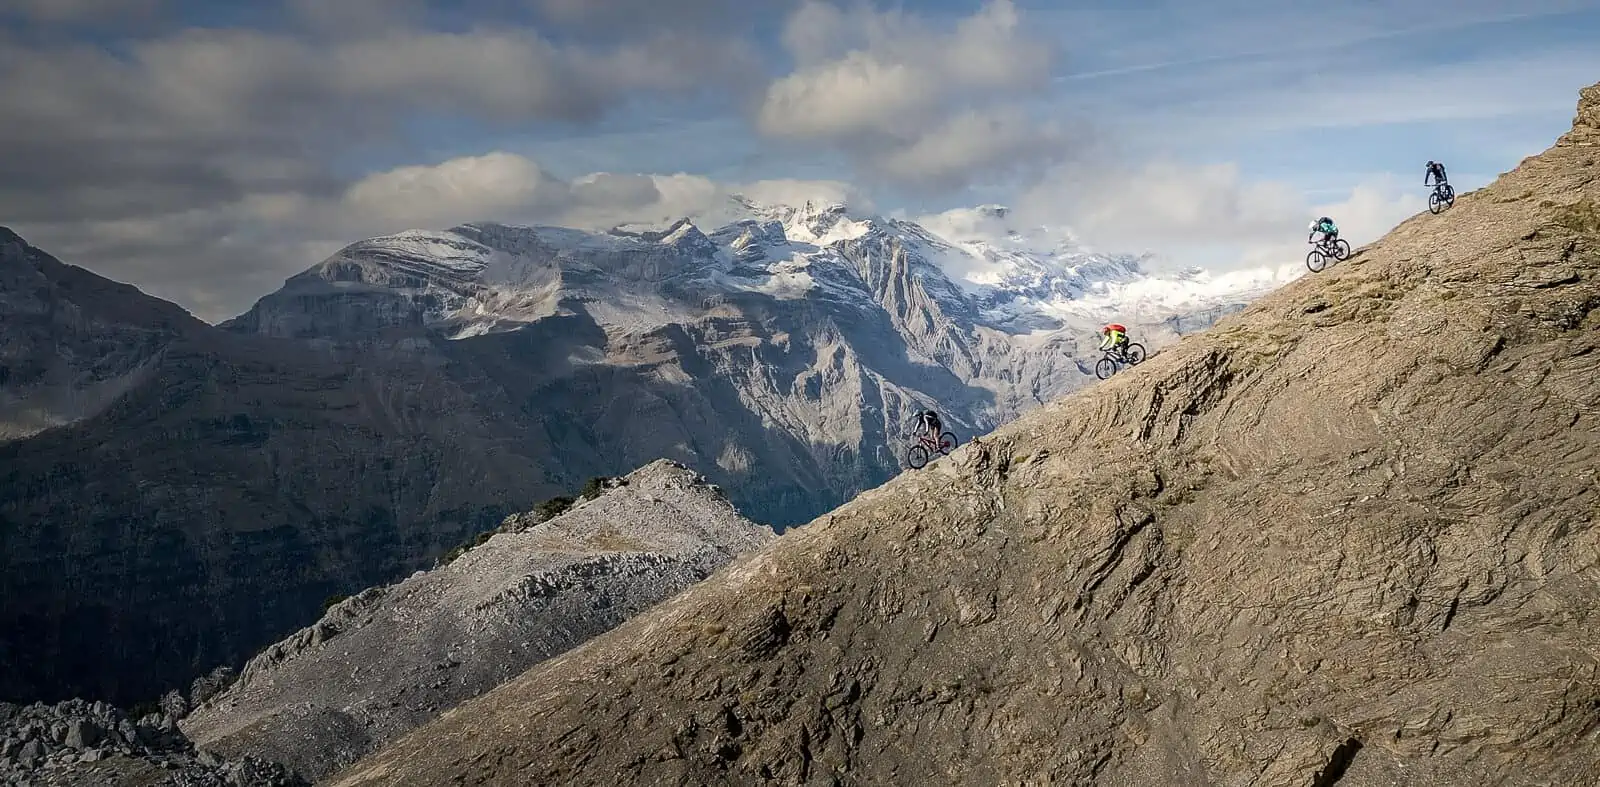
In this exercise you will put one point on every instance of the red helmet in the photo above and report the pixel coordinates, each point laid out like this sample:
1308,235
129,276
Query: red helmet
1114,327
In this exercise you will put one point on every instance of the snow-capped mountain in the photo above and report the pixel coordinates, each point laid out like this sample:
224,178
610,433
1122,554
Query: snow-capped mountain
783,349
482,278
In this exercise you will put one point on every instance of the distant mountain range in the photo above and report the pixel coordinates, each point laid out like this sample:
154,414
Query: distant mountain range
177,495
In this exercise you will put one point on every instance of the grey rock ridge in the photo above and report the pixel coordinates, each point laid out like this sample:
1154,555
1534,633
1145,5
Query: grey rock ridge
1347,536
391,658
202,489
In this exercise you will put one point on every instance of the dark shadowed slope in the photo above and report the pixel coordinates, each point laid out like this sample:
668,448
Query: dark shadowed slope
1347,536
205,492
72,341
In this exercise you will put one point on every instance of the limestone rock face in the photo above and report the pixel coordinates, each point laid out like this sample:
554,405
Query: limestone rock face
1346,536
1586,126
390,658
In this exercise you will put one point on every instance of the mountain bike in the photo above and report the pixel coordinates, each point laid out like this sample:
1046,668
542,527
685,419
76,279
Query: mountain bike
1318,258
923,449
1113,361
1442,197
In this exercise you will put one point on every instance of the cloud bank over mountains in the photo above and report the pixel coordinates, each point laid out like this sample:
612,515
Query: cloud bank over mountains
207,151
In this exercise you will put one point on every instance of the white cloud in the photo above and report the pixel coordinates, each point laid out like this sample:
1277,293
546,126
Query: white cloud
1207,215
497,186
974,145
247,246
913,103
512,188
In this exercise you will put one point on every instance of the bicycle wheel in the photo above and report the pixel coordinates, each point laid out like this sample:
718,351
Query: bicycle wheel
1134,353
917,456
1105,368
1316,262
947,442
1435,204
1341,249
1449,195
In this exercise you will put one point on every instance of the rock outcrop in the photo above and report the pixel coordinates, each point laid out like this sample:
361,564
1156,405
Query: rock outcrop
1346,536
83,744
388,659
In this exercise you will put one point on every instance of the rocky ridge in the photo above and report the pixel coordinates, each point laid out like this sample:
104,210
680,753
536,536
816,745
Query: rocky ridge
390,658
1346,536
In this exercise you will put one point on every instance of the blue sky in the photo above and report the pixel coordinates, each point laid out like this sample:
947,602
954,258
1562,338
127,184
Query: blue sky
1478,90
207,150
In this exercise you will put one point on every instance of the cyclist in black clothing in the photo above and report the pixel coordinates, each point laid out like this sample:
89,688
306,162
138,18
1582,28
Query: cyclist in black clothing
927,422
1436,173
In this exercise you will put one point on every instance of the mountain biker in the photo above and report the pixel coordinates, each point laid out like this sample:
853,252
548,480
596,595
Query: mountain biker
927,422
1435,171
1113,337
1324,225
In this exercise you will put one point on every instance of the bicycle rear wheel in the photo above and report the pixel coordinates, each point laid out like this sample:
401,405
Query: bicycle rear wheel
916,456
1316,262
1105,368
1134,353
947,442
1341,249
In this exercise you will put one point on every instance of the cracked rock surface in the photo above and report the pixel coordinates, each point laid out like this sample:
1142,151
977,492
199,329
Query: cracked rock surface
1346,537
391,658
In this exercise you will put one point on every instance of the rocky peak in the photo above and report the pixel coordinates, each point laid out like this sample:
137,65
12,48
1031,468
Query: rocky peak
9,241
1346,536
73,341
751,240
1586,124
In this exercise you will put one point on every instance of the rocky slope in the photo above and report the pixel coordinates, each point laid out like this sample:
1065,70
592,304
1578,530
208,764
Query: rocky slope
385,661
1347,536
82,744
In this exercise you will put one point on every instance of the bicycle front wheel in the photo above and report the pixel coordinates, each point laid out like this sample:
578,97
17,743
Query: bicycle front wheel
1105,368
1134,353
1435,204
1316,262
917,456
